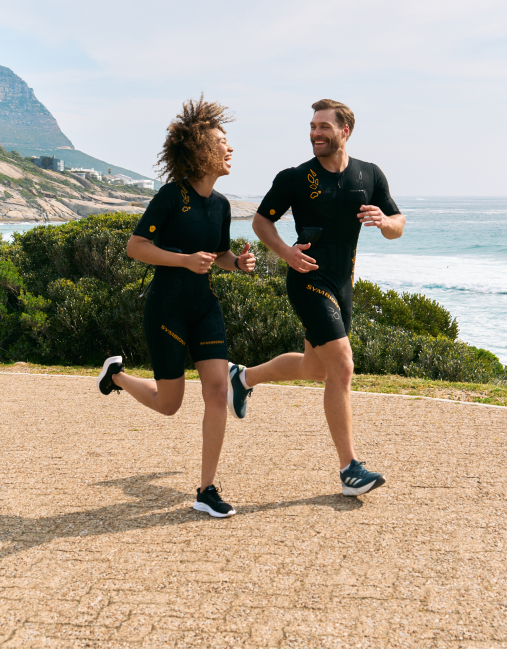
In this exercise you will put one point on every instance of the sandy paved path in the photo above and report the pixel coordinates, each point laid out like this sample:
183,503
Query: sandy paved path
100,548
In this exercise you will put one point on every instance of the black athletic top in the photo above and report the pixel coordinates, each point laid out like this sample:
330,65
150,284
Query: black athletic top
178,217
320,198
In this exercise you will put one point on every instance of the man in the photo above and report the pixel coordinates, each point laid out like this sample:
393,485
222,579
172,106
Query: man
331,196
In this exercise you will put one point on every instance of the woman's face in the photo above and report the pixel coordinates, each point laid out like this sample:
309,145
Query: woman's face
224,152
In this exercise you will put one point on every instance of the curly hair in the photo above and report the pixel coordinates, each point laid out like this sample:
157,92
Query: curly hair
188,150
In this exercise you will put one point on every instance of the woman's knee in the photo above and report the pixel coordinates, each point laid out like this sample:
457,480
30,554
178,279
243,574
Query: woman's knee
170,409
215,393
318,374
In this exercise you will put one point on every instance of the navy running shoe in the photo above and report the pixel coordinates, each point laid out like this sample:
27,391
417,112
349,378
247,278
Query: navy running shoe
210,501
356,480
236,392
105,383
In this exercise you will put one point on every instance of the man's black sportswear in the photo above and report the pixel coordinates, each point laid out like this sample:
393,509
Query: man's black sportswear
182,309
331,201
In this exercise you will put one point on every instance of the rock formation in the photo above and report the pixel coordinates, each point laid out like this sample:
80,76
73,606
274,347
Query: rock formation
24,121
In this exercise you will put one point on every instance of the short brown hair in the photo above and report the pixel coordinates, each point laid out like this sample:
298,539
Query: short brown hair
188,150
343,113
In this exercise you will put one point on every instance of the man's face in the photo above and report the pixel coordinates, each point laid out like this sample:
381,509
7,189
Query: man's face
326,135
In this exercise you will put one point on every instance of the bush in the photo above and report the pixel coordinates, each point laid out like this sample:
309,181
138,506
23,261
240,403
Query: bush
381,349
70,293
411,311
259,319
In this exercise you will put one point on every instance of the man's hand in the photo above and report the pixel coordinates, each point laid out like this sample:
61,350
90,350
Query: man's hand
246,260
372,215
200,262
297,260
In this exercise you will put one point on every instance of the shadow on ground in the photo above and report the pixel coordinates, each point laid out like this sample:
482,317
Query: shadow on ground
24,533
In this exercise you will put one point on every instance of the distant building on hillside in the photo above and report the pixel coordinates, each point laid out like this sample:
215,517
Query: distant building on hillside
111,180
47,162
124,180
144,183
83,173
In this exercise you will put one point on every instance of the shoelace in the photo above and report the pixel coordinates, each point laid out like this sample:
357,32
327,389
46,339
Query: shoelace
215,494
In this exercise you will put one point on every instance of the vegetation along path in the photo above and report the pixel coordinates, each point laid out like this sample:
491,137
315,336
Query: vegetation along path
100,546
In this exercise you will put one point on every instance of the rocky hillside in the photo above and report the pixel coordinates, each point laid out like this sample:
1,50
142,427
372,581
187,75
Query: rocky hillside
30,194
24,121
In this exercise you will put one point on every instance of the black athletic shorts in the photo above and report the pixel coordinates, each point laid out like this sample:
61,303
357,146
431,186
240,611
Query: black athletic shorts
325,311
182,311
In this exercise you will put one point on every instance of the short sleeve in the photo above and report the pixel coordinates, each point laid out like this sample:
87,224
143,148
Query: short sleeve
279,198
381,195
156,213
225,240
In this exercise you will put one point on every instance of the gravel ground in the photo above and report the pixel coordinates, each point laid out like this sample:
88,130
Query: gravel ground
100,546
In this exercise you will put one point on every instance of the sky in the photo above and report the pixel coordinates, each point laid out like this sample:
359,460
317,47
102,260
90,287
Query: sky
426,81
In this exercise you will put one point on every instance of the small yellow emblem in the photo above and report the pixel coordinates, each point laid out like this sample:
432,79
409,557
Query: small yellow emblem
272,212
152,228
185,209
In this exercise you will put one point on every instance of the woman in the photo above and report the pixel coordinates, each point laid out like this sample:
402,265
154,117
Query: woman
189,222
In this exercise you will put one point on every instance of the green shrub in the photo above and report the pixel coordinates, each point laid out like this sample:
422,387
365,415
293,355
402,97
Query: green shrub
411,311
70,293
259,319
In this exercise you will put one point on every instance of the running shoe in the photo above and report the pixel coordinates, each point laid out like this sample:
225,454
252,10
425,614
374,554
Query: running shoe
105,383
210,501
236,392
356,480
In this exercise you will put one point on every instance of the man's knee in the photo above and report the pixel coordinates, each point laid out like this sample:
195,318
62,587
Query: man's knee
337,359
342,370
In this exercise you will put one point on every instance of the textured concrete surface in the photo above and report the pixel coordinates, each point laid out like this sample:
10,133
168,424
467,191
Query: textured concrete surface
100,546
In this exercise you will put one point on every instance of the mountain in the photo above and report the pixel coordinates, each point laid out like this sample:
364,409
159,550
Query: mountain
24,121
27,126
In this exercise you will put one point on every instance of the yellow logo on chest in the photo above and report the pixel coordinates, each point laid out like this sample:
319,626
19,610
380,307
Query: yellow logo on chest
314,184
186,200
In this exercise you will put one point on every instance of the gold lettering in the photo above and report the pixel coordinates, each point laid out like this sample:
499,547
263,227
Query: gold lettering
171,333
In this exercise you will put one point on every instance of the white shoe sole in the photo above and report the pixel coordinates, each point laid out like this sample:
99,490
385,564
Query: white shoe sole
202,507
230,393
350,491
108,362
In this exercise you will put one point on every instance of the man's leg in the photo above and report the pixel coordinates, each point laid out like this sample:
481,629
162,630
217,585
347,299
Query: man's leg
288,367
336,356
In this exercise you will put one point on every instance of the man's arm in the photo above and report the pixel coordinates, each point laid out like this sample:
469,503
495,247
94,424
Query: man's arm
390,226
293,255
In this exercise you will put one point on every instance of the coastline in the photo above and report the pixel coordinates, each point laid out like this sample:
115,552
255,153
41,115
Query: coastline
240,210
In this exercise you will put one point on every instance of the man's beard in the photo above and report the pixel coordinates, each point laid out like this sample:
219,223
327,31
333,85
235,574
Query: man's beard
329,149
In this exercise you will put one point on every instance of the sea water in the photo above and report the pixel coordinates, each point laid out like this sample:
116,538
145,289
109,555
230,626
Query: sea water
453,250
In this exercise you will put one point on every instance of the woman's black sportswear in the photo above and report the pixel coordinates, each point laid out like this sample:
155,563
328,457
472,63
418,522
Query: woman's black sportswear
182,309
331,201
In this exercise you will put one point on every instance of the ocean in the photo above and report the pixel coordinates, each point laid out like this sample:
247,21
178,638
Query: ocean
454,251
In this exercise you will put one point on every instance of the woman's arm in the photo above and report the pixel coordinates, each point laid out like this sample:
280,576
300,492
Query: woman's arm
227,259
143,250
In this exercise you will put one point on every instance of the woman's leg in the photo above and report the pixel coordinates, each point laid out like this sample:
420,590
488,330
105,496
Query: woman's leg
213,375
164,396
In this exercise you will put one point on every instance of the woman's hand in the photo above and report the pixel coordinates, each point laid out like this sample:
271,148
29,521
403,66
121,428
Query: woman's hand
200,262
246,260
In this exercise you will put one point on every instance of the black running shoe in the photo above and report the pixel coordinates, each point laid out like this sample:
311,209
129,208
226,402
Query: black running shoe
105,383
356,480
209,501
